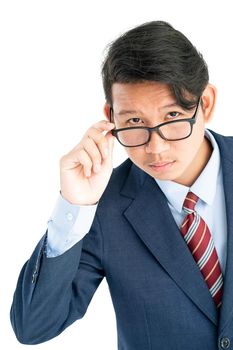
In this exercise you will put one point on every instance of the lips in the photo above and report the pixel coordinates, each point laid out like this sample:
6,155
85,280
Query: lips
161,166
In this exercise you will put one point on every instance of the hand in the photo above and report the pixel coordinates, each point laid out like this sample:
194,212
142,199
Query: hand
86,169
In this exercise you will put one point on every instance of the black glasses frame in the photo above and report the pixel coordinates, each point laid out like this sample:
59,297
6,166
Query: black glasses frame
191,121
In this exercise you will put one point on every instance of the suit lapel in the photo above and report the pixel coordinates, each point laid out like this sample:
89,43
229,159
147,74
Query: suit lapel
152,220
227,170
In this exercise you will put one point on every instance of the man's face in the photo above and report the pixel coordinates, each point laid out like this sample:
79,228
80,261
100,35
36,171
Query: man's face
150,104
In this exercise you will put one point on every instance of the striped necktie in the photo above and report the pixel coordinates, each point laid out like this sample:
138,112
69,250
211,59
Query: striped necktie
200,242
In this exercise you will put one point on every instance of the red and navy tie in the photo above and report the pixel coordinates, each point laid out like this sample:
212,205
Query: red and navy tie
200,242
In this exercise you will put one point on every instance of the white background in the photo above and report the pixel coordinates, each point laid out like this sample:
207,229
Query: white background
50,93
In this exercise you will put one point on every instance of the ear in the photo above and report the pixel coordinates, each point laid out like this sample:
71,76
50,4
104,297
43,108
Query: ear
208,102
107,111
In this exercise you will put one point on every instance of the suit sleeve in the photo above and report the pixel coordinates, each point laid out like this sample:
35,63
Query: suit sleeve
52,293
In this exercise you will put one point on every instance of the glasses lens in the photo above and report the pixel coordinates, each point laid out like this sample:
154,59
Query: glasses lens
133,137
176,131
139,136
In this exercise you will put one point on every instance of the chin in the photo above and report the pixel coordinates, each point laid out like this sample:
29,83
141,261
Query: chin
159,176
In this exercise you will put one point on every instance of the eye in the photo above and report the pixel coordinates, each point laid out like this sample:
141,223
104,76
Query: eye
173,115
134,121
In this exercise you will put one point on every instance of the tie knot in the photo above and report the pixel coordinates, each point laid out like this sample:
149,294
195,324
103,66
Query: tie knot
190,202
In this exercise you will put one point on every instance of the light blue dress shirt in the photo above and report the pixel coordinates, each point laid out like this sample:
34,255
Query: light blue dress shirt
69,223
211,204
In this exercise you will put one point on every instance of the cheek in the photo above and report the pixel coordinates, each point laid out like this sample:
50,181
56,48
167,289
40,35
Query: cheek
186,154
187,150
137,155
134,152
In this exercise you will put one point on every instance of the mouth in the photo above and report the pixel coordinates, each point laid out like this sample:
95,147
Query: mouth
161,166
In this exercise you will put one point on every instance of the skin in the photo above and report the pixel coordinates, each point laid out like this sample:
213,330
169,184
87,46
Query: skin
180,161
86,169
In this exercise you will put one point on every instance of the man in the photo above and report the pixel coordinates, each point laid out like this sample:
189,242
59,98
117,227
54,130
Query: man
159,226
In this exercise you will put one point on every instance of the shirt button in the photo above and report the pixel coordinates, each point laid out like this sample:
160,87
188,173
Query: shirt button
225,343
69,216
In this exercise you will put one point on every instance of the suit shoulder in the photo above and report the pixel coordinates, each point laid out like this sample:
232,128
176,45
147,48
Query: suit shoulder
220,137
120,174
225,143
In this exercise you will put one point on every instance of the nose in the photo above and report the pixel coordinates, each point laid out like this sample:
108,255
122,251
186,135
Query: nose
157,144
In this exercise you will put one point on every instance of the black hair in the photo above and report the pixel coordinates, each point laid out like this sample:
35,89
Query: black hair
155,51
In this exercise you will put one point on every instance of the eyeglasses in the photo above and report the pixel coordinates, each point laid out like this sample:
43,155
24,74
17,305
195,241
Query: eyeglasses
174,130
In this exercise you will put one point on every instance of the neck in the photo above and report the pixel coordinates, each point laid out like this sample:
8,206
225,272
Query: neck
198,163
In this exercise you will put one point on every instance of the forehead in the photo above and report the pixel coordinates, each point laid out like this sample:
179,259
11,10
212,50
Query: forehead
135,95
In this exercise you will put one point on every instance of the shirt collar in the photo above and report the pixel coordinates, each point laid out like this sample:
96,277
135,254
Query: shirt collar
176,193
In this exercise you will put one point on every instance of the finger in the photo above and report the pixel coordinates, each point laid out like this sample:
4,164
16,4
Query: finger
76,158
103,125
86,162
100,140
110,140
94,153
96,132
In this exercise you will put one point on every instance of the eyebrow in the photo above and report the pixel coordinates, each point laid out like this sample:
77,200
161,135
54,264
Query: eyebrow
127,112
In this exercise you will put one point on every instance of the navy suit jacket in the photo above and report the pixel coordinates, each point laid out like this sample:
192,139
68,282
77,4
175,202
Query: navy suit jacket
160,298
